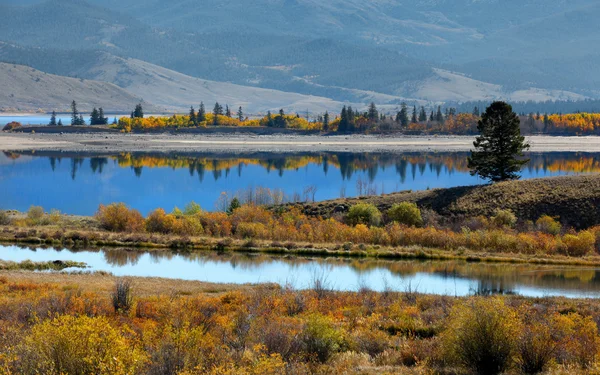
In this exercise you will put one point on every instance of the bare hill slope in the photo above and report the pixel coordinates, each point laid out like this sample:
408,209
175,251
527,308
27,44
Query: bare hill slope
27,89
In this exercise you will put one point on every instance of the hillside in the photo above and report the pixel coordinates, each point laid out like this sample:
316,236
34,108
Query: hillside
575,200
27,89
177,92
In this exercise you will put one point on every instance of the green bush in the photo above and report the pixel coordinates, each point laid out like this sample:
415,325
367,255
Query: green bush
192,208
406,213
548,225
504,218
481,335
364,213
321,338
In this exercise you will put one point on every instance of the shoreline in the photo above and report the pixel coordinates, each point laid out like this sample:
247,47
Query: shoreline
107,141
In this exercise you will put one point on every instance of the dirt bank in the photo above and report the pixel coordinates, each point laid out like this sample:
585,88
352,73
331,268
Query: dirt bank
105,140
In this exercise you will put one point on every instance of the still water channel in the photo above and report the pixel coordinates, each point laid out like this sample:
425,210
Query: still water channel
451,278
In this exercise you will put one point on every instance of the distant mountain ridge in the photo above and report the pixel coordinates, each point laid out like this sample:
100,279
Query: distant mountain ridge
353,51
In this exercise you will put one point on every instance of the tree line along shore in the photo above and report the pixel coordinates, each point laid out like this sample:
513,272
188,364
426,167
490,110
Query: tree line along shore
412,120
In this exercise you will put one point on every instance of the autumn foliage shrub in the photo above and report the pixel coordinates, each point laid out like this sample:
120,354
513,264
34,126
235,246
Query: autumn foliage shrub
117,217
549,225
159,222
80,345
481,335
579,244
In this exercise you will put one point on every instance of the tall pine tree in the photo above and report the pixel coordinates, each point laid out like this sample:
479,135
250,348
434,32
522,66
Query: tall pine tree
499,146
74,114
240,114
372,113
422,115
201,113
53,119
326,121
193,117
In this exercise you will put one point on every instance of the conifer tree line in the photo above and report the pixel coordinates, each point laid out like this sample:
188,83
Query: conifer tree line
414,118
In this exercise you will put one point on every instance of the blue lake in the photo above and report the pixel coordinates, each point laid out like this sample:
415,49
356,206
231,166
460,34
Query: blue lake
78,183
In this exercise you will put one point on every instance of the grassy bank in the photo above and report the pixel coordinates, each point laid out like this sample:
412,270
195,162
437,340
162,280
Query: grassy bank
574,200
94,323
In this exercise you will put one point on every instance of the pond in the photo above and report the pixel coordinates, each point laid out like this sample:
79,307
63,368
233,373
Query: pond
77,183
453,278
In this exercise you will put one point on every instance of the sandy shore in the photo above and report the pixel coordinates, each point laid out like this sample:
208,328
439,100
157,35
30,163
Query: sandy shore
116,142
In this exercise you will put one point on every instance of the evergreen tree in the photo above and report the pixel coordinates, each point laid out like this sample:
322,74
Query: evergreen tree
227,111
234,205
60,122
240,114
103,119
422,115
201,113
280,120
81,120
351,119
52,119
439,117
402,116
476,111
414,117
95,117
193,117
115,121
217,111
431,117
498,145
372,113
74,114
138,112
270,122
326,121
343,126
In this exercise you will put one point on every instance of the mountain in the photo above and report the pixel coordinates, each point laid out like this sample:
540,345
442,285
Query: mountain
169,90
533,38
353,51
26,90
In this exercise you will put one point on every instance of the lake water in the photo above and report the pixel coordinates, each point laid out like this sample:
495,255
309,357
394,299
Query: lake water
448,278
43,119
78,183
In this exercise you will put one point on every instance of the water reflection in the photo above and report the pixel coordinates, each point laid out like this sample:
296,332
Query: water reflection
149,180
437,277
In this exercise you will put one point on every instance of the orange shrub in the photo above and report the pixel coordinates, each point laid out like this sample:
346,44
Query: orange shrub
117,217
